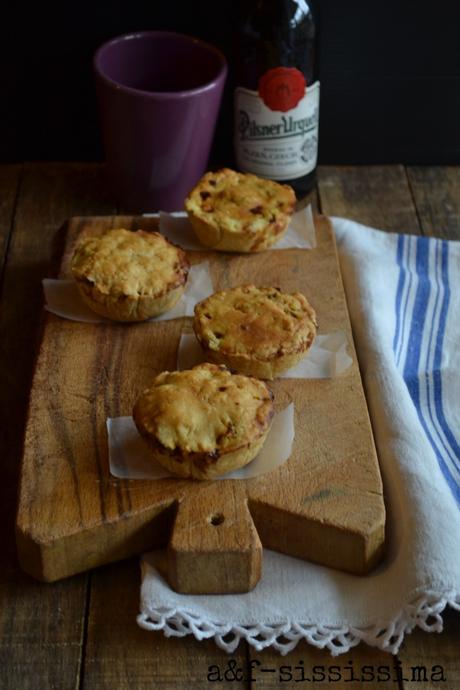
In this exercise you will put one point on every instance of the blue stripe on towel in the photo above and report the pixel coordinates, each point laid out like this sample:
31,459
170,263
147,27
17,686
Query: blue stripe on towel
417,325
430,418
399,290
438,355
406,292
432,372
429,365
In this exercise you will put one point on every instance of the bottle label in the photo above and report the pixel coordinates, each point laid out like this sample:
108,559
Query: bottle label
276,128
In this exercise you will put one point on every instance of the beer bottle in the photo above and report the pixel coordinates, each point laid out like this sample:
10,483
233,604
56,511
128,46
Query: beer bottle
276,99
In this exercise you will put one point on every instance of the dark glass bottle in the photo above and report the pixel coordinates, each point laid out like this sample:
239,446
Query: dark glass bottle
277,93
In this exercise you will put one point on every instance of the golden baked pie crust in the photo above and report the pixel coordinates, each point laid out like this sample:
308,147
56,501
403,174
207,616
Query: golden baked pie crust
129,276
258,331
204,422
239,212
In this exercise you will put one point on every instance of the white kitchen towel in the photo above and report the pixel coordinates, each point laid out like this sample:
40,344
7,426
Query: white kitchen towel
403,294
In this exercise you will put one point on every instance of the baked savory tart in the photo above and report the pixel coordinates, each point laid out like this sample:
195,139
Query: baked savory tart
129,276
238,212
259,331
204,422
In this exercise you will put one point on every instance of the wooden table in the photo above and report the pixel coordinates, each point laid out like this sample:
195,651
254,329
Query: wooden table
81,634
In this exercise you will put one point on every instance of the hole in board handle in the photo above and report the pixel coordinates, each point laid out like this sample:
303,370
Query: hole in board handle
216,519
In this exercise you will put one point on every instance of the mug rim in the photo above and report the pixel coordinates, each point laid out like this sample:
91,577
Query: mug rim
183,93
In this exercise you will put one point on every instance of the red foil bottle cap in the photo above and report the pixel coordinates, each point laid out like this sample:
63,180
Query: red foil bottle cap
281,88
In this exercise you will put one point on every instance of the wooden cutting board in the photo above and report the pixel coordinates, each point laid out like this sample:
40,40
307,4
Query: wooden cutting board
325,504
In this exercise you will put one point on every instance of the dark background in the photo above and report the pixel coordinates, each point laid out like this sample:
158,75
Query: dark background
390,76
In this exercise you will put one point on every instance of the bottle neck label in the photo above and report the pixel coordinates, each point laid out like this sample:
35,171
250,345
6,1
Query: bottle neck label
282,88
276,129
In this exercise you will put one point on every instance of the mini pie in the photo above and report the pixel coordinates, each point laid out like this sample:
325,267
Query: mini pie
239,212
204,422
129,276
259,331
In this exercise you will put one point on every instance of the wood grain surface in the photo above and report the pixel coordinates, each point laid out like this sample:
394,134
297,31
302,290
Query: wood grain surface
9,186
41,629
80,634
436,194
325,504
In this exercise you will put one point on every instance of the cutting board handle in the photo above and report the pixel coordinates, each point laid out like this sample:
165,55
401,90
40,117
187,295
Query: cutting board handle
214,546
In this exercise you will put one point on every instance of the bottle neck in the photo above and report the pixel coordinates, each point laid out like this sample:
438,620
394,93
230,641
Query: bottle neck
275,33
279,13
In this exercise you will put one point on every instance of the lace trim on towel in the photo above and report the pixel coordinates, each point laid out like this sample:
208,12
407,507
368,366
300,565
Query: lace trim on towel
424,611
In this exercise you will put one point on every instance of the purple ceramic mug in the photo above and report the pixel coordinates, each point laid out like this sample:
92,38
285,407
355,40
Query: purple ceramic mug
159,95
